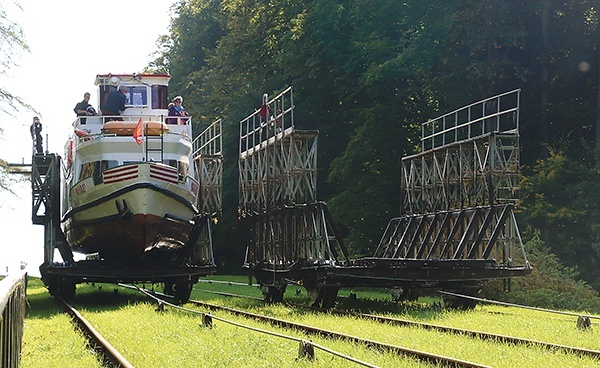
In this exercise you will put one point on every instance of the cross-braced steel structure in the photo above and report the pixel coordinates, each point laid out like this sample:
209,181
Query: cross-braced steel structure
459,193
208,161
286,228
457,226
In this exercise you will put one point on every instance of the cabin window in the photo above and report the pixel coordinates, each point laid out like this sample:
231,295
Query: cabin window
87,170
95,169
104,91
159,97
183,169
109,164
172,163
137,96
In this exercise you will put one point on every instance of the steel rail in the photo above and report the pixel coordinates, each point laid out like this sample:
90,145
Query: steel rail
472,333
483,300
420,355
445,329
98,343
154,296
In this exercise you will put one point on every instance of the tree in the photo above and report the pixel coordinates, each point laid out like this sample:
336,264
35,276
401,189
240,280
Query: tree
366,73
11,42
551,284
562,203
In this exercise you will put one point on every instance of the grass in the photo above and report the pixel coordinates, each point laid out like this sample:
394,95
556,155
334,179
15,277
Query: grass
177,339
49,339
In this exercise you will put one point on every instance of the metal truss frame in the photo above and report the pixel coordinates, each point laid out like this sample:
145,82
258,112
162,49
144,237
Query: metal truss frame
302,235
476,172
277,163
45,189
208,164
488,232
459,193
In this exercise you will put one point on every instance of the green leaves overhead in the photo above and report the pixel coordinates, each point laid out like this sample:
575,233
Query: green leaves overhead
366,73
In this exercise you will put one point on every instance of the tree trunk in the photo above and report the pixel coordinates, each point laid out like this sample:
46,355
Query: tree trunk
598,98
545,80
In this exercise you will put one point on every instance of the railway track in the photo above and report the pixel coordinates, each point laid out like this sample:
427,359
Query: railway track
444,329
110,356
436,359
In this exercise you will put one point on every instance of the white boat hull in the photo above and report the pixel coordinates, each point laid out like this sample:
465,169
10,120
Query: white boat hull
139,211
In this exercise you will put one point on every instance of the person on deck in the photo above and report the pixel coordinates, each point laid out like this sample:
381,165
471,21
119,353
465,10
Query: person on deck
265,111
115,103
36,134
84,108
177,111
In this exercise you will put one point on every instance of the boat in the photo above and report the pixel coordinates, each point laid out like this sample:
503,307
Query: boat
131,196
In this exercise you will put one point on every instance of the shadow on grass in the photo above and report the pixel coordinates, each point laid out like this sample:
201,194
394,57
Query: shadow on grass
371,301
94,297
40,304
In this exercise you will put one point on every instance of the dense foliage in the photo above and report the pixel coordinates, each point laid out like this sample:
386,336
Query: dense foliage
12,43
366,73
550,285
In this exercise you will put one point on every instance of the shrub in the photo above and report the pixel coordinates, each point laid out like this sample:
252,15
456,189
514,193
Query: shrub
549,285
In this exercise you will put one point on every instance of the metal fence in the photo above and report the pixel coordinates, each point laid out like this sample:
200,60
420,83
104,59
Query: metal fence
12,305
495,114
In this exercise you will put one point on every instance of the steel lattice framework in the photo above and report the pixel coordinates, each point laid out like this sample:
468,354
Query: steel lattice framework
284,222
277,163
283,236
459,193
208,161
476,172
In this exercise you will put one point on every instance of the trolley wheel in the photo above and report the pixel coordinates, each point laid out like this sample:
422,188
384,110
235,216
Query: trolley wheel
168,288
326,296
182,291
61,288
274,294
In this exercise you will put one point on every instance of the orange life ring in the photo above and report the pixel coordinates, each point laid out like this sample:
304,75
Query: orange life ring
83,135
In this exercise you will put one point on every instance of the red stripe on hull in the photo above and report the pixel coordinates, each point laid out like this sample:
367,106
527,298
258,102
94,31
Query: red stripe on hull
119,179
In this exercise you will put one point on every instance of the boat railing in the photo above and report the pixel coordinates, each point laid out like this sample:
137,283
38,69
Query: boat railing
90,127
498,114
264,124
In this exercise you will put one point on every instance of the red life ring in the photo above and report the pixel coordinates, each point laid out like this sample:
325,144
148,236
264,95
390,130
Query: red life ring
81,133
70,153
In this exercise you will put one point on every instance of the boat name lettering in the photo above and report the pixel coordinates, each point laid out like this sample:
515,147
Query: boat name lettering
80,189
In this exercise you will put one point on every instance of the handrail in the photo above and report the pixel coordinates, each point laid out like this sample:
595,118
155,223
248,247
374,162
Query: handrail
255,130
12,305
499,113
210,141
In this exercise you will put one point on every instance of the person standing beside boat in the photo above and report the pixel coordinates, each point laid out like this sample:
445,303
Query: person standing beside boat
115,103
36,134
84,108
176,109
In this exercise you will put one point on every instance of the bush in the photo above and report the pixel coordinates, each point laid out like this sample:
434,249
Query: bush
549,285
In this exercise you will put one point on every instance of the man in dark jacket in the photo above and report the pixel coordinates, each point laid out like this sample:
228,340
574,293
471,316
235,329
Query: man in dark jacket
81,109
36,134
115,103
